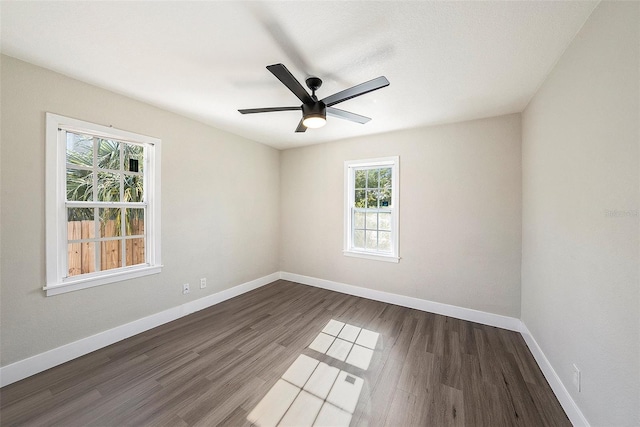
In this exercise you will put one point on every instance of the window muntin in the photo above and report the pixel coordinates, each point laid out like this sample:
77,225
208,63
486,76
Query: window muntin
371,208
103,216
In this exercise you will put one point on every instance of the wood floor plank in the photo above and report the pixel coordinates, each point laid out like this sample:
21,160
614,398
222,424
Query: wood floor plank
375,410
415,377
199,411
112,403
17,411
214,366
446,407
475,393
526,363
548,411
406,410
65,409
237,418
451,372
69,371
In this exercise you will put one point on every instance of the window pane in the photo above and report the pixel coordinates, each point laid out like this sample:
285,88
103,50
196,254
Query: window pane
372,181
110,254
80,214
385,198
133,188
384,241
134,224
108,154
79,149
109,222
135,251
384,221
108,187
133,152
372,220
361,179
372,239
360,201
358,239
81,258
358,221
79,185
385,178
372,198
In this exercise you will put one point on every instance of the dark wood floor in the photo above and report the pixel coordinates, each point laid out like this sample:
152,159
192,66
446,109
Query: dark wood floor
214,366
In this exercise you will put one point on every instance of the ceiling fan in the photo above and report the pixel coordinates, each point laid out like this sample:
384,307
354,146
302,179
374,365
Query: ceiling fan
314,111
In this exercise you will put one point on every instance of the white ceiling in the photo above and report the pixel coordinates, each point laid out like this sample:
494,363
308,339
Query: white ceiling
446,61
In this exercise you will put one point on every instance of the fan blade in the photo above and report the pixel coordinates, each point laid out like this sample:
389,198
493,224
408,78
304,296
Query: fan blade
301,127
358,90
341,114
268,110
281,72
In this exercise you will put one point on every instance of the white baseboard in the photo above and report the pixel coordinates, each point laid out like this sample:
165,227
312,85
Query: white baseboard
504,322
569,405
43,361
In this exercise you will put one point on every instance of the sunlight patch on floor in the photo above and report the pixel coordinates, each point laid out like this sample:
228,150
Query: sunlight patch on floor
309,393
313,393
346,343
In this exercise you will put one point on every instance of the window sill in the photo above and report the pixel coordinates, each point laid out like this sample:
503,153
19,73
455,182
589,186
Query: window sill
75,284
373,256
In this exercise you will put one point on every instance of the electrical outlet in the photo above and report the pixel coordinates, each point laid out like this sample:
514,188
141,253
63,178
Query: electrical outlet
576,377
185,289
203,283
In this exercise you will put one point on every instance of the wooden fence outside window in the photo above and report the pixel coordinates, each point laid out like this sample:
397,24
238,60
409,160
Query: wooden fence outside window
81,256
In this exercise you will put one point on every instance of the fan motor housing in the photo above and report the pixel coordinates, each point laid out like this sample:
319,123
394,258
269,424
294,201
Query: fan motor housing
317,109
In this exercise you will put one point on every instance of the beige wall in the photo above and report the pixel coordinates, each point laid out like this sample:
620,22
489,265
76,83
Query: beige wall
460,214
209,223
580,282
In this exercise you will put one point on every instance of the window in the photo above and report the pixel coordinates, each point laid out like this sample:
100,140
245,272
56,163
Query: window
102,205
371,209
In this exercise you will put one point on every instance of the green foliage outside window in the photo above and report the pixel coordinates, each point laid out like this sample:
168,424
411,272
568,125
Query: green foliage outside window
372,188
80,182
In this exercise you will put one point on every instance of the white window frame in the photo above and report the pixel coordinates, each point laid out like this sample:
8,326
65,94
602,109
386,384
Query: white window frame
57,281
349,200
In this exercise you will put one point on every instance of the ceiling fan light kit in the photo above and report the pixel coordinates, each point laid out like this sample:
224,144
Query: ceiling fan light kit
314,111
315,115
